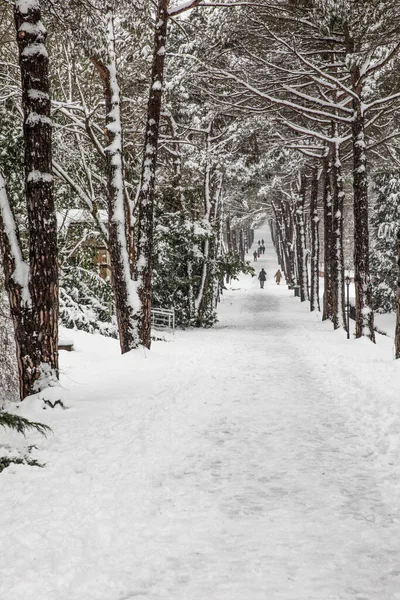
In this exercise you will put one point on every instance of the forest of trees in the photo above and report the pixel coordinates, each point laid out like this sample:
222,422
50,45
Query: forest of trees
141,142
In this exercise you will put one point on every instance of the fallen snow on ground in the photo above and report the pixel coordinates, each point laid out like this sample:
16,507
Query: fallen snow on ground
258,460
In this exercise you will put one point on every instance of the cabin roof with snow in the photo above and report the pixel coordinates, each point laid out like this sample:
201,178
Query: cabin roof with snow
78,216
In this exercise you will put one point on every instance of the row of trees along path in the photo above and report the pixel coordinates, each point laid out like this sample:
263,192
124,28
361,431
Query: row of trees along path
324,109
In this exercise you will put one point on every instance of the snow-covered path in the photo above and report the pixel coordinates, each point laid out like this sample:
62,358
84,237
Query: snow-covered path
259,460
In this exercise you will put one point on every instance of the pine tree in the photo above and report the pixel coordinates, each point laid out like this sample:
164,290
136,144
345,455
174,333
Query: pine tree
385,221
33,287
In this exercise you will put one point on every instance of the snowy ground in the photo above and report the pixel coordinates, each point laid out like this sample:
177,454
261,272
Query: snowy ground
259,460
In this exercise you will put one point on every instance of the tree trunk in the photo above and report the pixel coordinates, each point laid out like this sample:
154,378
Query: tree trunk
287,239
241,245
314,221
211,201
228,233
143,267
301,239
234,240
362,281
328,242
35,316
278,234
272,229
337,269
397,333
364,313
125,296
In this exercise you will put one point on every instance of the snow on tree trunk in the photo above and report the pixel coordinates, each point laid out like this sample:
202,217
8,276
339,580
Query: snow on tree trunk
328,242
33,291
143,267
397,332
279,238
241,245
209,215
125,295
301,239
364,313
290,234
314,219
284,229
228,234
337,268
211,201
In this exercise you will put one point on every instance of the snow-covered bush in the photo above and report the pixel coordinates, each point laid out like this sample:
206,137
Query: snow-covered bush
86,298
86,301
177,265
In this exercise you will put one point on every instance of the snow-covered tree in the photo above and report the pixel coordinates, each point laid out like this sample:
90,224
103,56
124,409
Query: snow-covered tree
385,222
33,287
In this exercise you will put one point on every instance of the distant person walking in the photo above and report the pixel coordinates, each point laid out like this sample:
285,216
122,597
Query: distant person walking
262,242
278,277
255,255
259,251
263,249
262,278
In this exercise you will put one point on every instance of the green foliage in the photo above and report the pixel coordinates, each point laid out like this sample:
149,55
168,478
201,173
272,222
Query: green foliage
86,302
178,269
177,252
6,461
385,220
20,424
12,154
8,359
230,266
86,298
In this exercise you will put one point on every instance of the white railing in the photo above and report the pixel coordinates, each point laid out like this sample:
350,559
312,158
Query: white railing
163,318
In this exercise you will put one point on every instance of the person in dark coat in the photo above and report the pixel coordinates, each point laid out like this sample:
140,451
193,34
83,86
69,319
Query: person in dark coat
262,278
263,249
255,255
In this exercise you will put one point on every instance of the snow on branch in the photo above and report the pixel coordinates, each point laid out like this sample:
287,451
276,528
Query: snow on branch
188,4
311,65
26,6
182,7
267,97
60,172
313,133
381,101
21,268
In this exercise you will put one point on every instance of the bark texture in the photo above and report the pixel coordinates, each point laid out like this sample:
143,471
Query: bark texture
397,333
314,223
143,267
364,313
362,280
337,263
118,231
301,239
35,318
328,242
